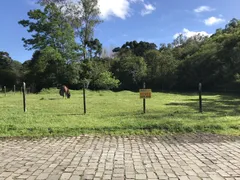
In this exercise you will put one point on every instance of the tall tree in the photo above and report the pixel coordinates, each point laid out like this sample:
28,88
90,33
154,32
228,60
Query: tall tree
5,60
161,69
10,70
54,42
89,19
49,28
94,48
131,70
83,15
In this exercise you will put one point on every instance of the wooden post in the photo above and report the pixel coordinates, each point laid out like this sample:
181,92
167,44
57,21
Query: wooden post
5,90
200,97
84,99
14,89
24,97
144,100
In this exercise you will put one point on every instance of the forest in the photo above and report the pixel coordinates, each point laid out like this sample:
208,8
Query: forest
66,52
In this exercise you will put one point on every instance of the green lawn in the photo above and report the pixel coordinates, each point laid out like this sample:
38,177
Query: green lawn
48,114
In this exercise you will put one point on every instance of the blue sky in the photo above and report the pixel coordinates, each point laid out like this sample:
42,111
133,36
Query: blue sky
155,21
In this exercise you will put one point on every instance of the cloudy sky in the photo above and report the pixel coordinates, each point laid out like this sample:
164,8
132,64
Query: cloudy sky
157,21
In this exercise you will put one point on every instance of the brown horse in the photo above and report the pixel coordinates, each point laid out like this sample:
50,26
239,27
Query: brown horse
64,91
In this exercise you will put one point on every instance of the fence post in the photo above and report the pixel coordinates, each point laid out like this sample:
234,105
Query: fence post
5,90
144,100
24,97
84,99
200,97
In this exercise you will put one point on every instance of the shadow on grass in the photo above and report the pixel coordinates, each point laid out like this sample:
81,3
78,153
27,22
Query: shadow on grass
213,107
70,114
52,99
192,93
224,105
159,115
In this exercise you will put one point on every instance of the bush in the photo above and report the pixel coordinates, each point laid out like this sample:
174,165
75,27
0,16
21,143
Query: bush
107,81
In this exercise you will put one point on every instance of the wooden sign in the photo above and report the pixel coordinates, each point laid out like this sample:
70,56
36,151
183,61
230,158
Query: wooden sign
145,93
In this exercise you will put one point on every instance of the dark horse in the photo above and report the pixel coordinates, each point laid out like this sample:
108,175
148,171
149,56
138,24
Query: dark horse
64,91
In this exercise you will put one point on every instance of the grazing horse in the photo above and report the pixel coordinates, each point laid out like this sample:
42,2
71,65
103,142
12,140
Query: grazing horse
64,91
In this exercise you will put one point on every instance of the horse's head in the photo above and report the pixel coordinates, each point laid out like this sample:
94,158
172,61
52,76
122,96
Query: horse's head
68,94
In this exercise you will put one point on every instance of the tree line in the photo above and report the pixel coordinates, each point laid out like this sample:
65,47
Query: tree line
66,52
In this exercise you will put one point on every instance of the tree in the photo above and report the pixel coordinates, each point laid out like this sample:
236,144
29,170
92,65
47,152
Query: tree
83,15
54,42
161,68
10,70
180,40
49,28
136,48
5,60
89,19
233,23
94,48
130,70
107,81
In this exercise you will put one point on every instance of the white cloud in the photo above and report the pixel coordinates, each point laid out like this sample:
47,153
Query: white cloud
213,20
190,34
122,8
148,9
118,8
203,9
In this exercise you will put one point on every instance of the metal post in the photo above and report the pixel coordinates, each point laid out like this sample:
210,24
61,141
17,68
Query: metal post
84,99
200,97
144,100
24,97
5,90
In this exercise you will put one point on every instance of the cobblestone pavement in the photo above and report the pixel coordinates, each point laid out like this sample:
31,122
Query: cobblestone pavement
201,156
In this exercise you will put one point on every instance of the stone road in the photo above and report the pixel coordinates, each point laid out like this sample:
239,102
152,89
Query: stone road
201,156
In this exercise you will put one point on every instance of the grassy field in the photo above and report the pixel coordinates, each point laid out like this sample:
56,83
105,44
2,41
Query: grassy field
48,114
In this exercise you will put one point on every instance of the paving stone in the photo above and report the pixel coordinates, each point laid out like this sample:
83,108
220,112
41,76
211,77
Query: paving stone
163,177
53,177
141,176
66,176
75,177
190,156
107,176
88,177
23,176
151,175
31,177
43,176
5,174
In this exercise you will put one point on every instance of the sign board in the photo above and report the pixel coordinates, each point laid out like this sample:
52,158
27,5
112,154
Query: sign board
145,93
